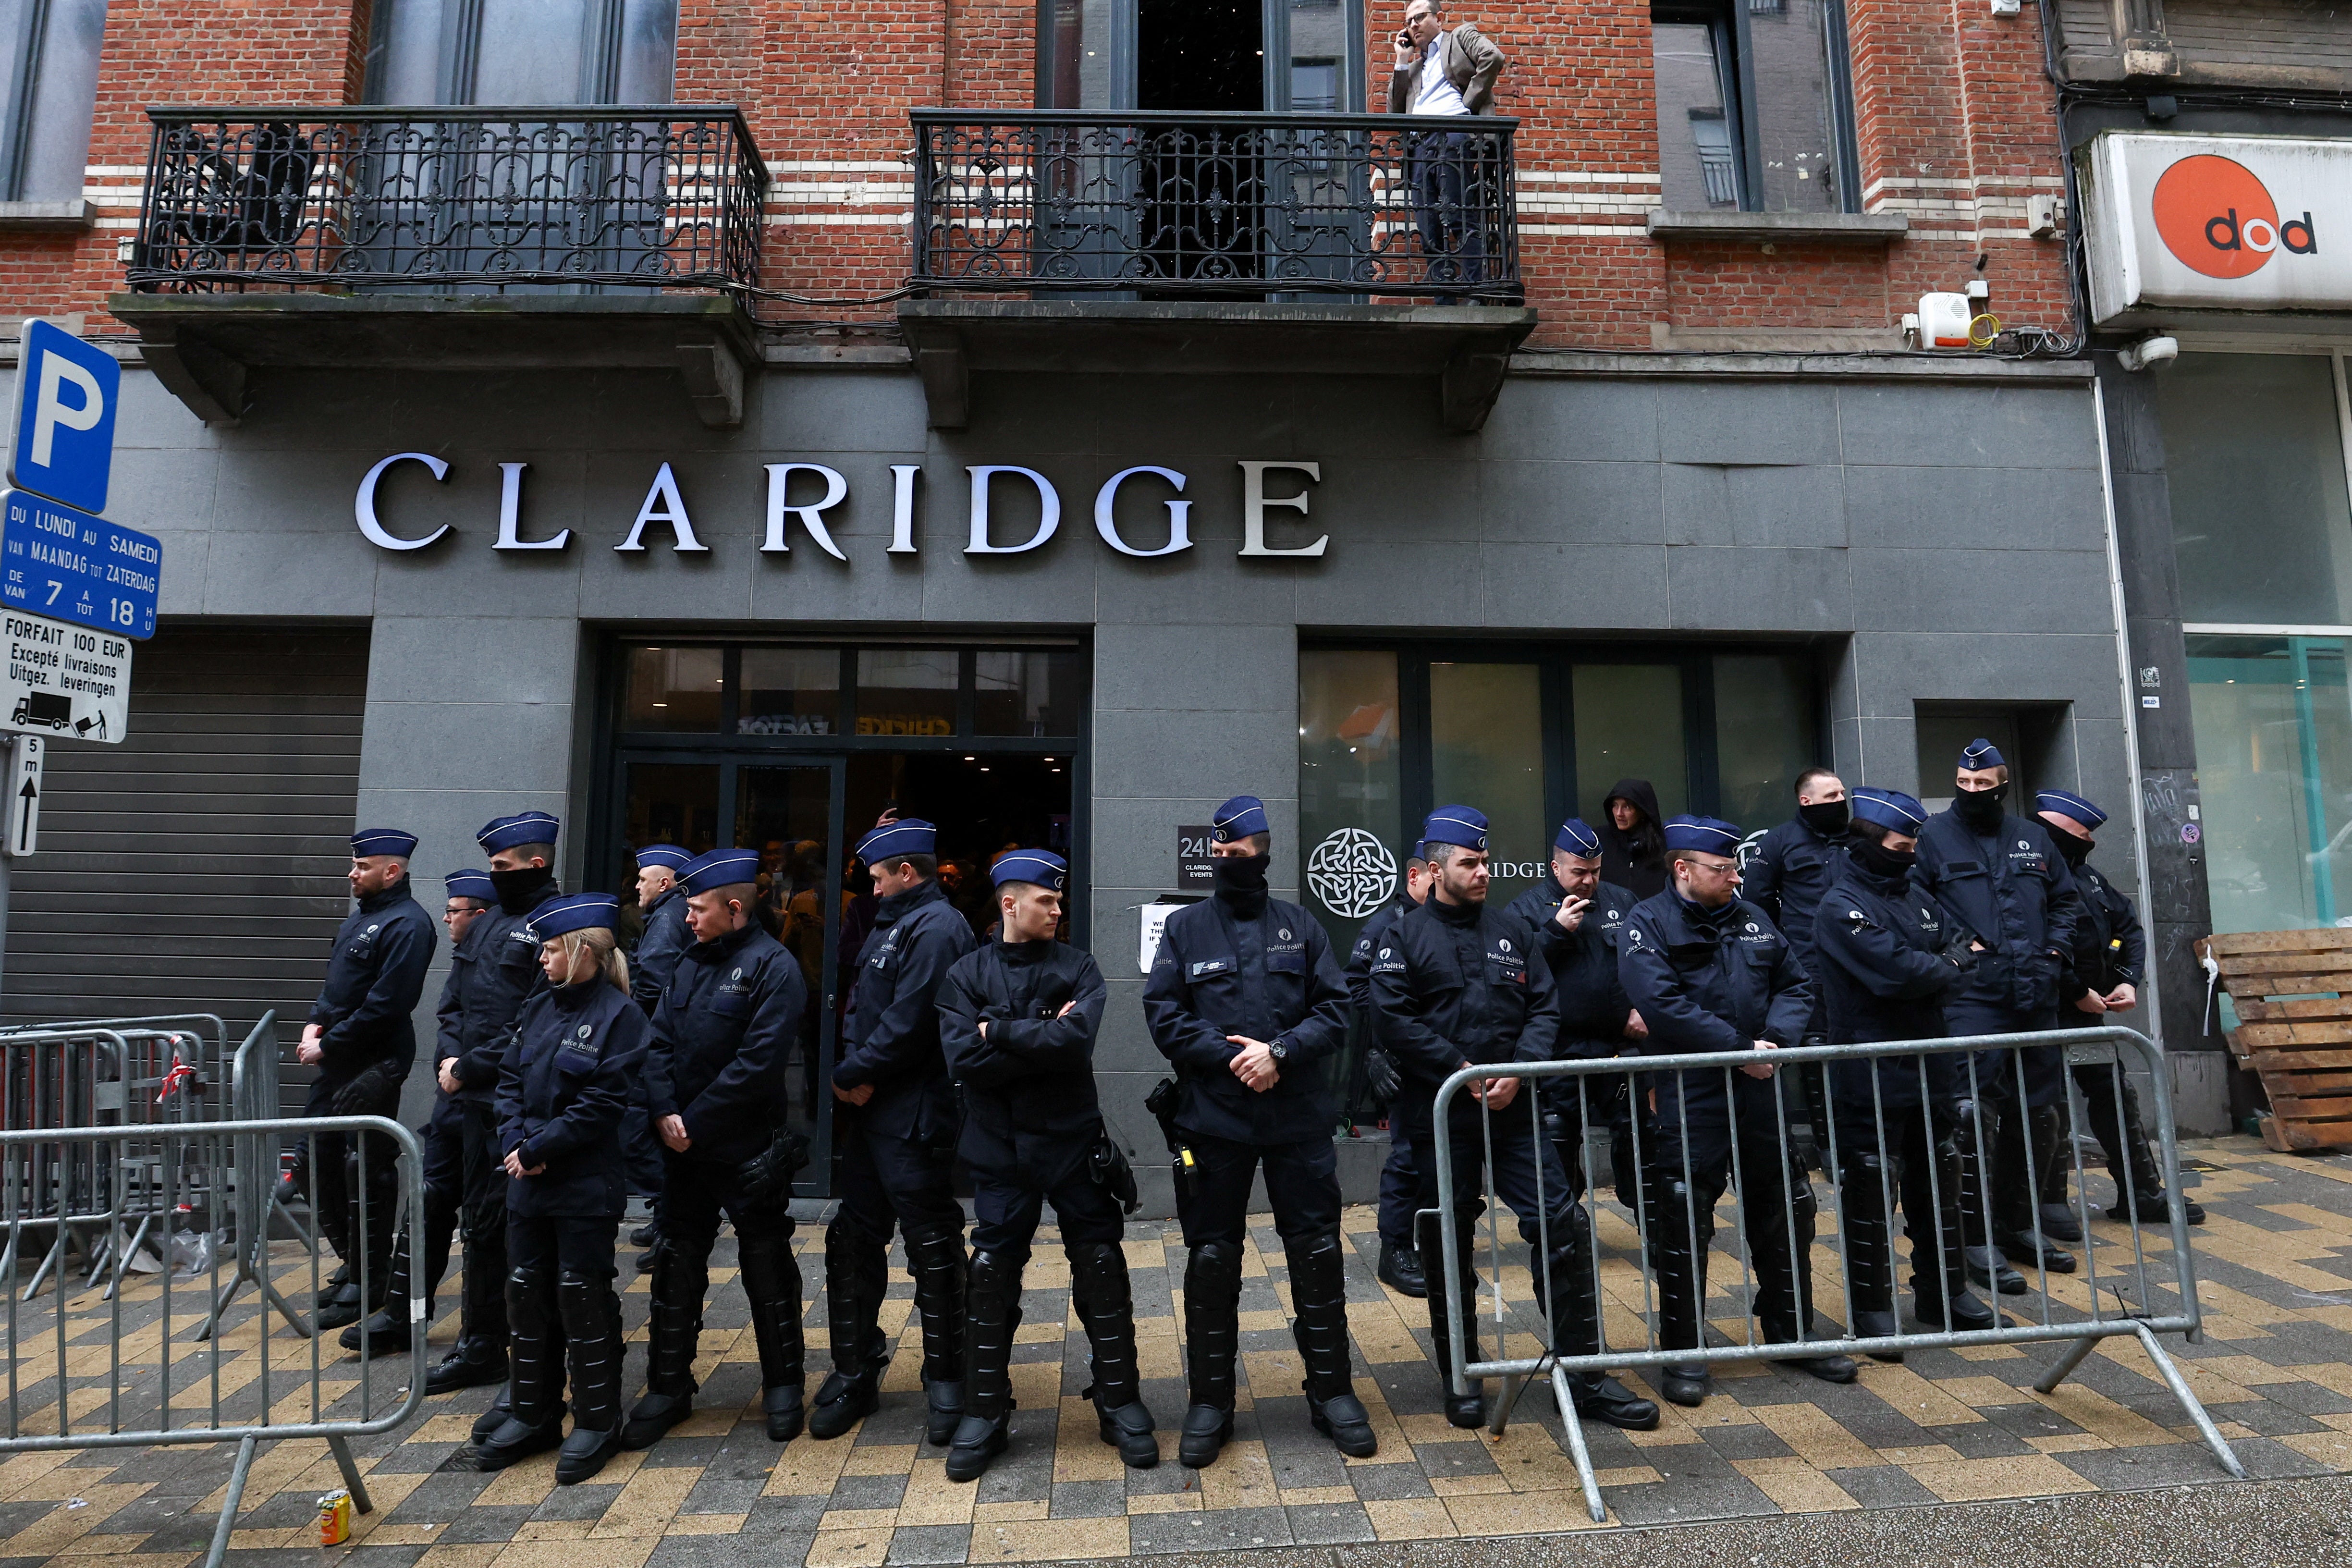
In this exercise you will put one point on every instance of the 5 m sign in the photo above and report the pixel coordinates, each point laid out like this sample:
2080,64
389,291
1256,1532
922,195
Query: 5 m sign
64,564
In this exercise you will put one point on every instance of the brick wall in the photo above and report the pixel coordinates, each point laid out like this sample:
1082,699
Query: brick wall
1954,113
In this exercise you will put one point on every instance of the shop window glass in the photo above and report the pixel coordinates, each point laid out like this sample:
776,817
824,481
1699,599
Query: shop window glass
49,68
1629,725
672,803
675,689
2262,529
2273,722
906,691
1021,692
789,691
1351,826
1486,750
1765,736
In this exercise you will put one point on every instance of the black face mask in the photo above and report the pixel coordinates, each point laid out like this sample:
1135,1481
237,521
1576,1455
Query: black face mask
1241,879
1880,861
518,888
1980,809
1827,817
2075,850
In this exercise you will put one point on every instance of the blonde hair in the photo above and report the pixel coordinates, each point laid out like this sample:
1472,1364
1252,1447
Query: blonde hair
604,952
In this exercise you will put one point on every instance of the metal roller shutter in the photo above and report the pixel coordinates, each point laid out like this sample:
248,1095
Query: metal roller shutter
198,866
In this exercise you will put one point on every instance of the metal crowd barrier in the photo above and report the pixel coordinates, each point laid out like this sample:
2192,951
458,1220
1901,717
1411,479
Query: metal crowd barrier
113,1371
252,1097
2154,1292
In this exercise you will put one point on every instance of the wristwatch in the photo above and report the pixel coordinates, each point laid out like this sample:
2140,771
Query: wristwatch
1278,1050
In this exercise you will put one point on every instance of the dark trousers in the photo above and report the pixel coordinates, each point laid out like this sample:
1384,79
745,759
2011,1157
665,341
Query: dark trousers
443,1140
486,1182
698,1193
695,1194
1302,1181
1694,1156
1400,1183
881,1179
559,1298
641,1149
884,1180
1447,188
1889,1154
355,1188
2016,1093
561,1244
1006,1214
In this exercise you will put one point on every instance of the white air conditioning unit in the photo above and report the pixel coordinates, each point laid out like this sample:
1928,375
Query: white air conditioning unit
1944,321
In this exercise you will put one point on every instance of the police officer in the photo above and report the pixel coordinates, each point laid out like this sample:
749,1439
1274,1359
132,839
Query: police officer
717,1087
1785,877
563,1086
893,1138
660,941
1887,956
2101,976
1018,1020
442,1140
1245,998
1399,1267
1574,921
1709,972
1454,985
2004,879
499,969
361,1040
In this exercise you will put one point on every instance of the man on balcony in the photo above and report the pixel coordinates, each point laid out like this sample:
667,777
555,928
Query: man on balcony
1443,71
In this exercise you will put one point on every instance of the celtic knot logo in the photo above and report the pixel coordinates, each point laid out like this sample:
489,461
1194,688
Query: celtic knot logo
1352,873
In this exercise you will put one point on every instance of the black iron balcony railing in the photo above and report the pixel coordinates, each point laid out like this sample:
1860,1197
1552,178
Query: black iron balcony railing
1215,205
371,200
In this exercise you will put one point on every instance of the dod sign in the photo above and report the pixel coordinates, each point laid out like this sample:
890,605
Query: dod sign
65,680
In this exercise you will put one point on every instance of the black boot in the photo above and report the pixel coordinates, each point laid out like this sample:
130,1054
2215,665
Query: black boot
386,1333
2140,1184
2018,1152
470,1364
772,1279
1565,1293
856,1272
935,1256
592,1333
1863,1191
1212,1294
1934,1279
1984,1264
534,1422
491,1420
1678,1259
1318,1309
992,1314
480,1356
1467,1409
1780,1233
1401,1270
1106,1304
673,1330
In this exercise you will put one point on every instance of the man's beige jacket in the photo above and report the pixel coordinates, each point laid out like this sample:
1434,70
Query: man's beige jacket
1470,61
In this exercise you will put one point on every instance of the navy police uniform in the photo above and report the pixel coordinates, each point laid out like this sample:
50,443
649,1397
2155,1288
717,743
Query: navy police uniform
367,1043
1709,979
1888,955
1245,963
1456,985
718,1062
1017,1023
1398,1181
895,1154
1785,876
564,1083
2002,877
660,941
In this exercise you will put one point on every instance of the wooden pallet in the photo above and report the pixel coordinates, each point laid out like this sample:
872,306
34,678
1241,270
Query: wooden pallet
2292,993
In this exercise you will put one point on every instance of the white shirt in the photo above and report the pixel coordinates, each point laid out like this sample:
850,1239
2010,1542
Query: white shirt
1437,95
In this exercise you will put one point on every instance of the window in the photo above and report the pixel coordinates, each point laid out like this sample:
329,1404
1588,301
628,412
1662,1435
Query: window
51,53
2274,720
1752,106
523,51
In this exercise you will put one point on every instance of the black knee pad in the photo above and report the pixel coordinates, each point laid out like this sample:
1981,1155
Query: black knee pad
1214,1271
527,1300
583,1304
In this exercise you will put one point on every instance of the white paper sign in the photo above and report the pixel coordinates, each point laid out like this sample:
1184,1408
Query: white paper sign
1155,920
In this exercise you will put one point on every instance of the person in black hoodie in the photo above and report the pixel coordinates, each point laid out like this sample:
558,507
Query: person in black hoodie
1632,839
1017,1023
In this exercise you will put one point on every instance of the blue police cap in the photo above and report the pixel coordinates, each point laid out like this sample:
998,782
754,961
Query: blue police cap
1461,826
471,885
671,856
579,911
382,841
1042,867
1708,835
1889,808
2065,803
909,836
720,869
1982,753
514,832
1578,839
1238,819
1420,849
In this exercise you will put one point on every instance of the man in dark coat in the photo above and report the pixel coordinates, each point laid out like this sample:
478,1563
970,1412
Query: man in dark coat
1632,841
662,940
1785,876
1400,1265
1017,1020
895,1128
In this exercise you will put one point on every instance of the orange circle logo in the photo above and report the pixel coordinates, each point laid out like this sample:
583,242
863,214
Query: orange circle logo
2216,216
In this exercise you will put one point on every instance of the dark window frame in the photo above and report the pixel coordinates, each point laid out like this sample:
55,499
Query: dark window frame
1736,69
34,37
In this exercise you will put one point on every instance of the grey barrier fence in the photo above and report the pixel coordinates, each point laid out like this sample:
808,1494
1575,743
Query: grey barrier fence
1966,1083
115,1370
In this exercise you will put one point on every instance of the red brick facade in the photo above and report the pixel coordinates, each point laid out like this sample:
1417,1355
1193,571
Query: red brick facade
1954,116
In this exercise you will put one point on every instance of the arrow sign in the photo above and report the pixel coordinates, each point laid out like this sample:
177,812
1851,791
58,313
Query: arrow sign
25,796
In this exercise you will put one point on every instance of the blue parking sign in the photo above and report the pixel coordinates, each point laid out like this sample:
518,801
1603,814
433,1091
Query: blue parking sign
66,396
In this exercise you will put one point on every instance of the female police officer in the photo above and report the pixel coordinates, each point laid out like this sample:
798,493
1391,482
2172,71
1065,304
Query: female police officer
564,1083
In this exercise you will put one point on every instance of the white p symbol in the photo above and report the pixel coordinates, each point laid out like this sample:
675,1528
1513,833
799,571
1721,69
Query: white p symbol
49,414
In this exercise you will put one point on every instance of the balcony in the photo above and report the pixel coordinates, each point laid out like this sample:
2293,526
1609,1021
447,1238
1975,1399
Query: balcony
448,238
1080,240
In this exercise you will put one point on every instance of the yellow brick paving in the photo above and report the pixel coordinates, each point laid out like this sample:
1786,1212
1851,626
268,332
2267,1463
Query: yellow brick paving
2275,1371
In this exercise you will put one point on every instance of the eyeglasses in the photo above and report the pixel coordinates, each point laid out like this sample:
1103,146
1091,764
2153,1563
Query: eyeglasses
1715,868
